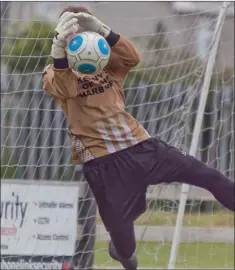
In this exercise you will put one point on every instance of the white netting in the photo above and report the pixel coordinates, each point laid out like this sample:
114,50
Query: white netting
175,40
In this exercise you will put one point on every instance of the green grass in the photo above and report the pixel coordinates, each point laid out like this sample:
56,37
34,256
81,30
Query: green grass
217,219
192,255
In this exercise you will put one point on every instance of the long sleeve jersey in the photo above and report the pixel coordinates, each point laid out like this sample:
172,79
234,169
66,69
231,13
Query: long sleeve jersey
94,105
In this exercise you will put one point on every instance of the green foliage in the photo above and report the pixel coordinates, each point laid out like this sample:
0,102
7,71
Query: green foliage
8,168
30,50
163,66
159,41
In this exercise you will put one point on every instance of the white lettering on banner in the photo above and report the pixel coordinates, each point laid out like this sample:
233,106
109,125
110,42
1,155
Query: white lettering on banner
38,219
29,265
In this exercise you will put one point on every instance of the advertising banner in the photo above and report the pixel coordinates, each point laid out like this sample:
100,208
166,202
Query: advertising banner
38,219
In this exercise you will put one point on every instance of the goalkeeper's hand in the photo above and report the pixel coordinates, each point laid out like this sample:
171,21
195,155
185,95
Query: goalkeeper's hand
88,22
67,25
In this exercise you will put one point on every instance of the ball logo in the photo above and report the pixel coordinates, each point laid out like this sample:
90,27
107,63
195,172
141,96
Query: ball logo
103,46
86,68
75,43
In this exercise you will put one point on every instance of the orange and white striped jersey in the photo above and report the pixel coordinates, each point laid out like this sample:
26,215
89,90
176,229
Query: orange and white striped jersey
94,105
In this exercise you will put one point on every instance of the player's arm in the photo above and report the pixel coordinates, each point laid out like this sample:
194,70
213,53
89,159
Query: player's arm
59,80
59,83
123,57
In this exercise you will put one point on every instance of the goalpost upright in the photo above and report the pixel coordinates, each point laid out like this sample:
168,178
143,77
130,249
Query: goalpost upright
197,129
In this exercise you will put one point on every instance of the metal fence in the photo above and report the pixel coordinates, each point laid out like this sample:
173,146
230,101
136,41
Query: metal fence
35,144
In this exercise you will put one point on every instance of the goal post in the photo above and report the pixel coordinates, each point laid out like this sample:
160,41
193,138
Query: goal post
182,91
197,128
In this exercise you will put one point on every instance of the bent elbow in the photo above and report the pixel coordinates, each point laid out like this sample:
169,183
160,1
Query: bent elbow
136,59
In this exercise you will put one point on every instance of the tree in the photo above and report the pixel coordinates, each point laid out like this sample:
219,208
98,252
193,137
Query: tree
159,41
29,51
161,64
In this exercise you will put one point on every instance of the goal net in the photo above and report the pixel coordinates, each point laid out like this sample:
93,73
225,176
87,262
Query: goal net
187,49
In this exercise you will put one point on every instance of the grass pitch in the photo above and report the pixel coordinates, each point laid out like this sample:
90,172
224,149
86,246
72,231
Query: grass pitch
190,255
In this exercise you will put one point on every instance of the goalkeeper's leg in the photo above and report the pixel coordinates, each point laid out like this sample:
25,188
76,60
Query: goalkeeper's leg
201,175
119,201
171,165
122,246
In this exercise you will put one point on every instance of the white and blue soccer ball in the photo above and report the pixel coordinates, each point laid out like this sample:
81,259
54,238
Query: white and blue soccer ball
88,52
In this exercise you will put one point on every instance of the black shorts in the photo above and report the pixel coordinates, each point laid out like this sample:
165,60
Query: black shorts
119,181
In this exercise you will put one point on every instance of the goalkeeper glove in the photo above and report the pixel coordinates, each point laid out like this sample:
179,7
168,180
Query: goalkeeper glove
67,25
91,23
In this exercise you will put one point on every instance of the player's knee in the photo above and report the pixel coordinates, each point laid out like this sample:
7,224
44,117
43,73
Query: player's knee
122,252
128,261
123,239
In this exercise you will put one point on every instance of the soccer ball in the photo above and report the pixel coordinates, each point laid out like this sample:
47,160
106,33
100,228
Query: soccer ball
88,52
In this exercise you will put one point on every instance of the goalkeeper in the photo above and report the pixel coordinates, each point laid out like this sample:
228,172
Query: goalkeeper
120,159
